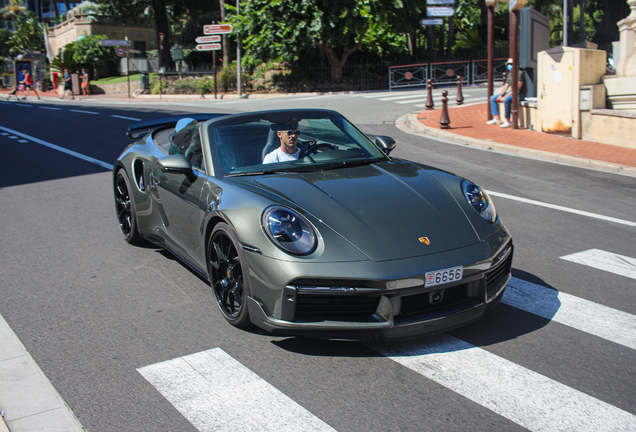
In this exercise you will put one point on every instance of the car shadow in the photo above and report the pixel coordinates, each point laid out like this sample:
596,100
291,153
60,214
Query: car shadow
517,315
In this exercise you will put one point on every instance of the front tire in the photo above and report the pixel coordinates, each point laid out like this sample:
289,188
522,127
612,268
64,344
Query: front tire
125,206
227,275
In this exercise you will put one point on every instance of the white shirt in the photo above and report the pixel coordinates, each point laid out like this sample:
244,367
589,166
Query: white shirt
280,156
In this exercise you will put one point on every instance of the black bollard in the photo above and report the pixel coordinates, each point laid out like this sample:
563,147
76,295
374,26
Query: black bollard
444,120
460,96
429,99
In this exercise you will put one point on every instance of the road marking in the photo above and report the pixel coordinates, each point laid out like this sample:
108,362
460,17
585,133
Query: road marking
50,108
23,141
61,149
84,112
13,137
606,261
525,397
411,96
24,105
217,393
126,118
589,317
565,209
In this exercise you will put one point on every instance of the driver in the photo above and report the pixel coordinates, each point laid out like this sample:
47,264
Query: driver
288,151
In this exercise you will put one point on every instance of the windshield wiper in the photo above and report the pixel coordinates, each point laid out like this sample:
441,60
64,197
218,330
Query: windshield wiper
252,173
347,164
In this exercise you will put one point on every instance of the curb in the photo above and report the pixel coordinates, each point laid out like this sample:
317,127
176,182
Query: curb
410,124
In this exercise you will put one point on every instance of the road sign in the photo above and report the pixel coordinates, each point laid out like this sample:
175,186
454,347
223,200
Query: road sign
121,52
208,39
434,21
209,47
440,2
114,42
440,11
213,29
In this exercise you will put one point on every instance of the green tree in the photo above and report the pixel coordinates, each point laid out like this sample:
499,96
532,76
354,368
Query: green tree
27,32
89,52
283,29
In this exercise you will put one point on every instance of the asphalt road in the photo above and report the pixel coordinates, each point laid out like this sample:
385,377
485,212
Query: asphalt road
99,316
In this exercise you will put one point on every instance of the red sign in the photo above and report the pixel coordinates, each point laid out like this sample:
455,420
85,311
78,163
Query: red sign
212,29
209,47
121,52
208,39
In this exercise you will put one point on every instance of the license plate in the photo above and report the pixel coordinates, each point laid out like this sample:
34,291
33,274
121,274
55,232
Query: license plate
440,277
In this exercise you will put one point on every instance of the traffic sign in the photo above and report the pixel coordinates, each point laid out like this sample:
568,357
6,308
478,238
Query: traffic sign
434,21
440,11
208,39
213,29
121,52
209,47
440,2
114,42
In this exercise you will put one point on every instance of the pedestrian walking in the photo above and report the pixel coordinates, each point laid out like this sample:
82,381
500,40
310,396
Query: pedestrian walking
85,83
28,83
68,85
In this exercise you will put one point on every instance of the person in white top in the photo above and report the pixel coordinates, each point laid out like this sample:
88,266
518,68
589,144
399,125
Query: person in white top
288,151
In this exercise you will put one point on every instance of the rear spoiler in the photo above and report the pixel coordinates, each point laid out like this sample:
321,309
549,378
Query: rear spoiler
139,129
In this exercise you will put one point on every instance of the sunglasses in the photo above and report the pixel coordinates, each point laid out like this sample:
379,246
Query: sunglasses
293,132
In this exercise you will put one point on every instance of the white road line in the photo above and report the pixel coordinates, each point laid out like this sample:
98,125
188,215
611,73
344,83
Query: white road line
84,112
217,393
13,137
411,96
4,134
50,108
606,261
527,398
61,149
23,141
589,317
126,118
24,105
565,209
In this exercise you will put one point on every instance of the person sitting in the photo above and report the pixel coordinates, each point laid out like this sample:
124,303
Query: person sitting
505,96
288,134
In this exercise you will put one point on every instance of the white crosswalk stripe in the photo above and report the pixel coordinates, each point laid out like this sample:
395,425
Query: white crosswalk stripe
217,393
610,324
529,399
606,261
198,385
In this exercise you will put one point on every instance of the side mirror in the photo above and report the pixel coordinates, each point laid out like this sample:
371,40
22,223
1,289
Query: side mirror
386,144
175,163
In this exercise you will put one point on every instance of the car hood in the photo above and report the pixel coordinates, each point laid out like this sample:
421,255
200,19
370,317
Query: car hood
383,210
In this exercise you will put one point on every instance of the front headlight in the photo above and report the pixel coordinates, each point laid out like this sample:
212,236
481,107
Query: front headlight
479,200
289,231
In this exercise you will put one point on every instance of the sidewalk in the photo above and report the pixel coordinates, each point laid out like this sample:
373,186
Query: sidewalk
468,126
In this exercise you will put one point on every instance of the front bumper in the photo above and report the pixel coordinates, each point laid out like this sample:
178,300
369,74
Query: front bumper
376,311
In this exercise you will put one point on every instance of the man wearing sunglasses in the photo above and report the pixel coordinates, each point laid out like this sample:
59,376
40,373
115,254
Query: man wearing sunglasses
288,151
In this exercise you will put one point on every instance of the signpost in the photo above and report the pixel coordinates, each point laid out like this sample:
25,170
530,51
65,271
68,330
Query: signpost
115,42
440,11
214,29
440,2
208,39
433,21
121,52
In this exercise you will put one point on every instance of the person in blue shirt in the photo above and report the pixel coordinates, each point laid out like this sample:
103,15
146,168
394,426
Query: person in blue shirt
68,84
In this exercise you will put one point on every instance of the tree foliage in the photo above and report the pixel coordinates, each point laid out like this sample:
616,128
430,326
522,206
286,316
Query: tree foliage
27,32
89,52
283,29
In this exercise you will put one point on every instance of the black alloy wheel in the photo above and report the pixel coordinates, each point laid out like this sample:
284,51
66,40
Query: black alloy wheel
125,206
226,271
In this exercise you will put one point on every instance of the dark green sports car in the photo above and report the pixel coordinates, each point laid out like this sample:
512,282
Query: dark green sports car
303,225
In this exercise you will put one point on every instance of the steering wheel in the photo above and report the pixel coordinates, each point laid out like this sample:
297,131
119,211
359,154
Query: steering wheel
312,149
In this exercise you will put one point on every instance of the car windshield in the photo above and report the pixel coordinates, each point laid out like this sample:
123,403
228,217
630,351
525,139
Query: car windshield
289,141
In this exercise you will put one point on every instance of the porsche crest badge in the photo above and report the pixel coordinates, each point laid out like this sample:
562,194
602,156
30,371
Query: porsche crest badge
425,240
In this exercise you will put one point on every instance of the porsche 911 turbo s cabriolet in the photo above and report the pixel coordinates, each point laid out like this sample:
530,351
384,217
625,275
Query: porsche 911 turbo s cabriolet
302,224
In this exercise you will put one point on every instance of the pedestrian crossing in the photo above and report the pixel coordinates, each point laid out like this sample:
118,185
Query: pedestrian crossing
206,387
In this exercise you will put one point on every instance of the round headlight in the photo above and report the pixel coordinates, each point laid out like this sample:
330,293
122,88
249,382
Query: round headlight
479,200
289,231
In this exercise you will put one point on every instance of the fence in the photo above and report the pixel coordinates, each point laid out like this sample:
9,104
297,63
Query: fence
318,77
444,73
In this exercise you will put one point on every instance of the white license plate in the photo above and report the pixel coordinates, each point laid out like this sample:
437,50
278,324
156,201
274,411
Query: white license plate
440,277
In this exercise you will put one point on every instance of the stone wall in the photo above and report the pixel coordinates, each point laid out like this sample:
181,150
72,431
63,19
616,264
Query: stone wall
135,84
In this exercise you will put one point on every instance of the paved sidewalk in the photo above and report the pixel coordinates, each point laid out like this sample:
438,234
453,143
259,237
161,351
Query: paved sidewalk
468,126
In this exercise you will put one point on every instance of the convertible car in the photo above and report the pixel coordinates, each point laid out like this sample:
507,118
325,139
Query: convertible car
338,240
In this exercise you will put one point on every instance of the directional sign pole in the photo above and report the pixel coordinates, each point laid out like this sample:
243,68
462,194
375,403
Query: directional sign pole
238,56
214,70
